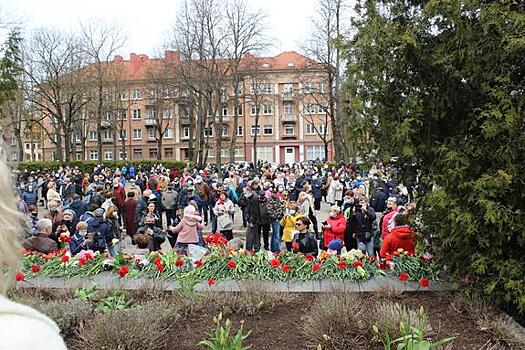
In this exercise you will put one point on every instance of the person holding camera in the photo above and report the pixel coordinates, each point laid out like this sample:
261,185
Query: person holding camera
151,233
361,222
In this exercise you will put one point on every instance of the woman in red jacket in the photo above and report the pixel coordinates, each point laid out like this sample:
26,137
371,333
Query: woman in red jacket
334,227
401,236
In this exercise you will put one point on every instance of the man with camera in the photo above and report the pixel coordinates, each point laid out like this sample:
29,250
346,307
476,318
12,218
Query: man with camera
361,222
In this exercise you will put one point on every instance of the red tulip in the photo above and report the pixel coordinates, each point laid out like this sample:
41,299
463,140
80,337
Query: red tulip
35,268
82,262
357,263
342,265
316,267
179,263
403,276
123,271
231,264
424,282
19,277
275,263
295,246
388,258
198,263
156,260
211,281
64,258
309,257
285,268
160,267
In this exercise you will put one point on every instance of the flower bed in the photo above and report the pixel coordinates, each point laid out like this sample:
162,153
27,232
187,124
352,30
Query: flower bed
219,263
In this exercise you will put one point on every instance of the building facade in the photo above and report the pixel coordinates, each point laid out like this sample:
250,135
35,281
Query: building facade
285,94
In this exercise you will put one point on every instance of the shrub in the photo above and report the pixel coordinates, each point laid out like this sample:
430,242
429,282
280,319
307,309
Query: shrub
337,321
142,327
252,301
69,315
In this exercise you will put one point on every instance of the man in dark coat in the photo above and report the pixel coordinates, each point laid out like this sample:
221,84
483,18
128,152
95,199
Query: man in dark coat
128,212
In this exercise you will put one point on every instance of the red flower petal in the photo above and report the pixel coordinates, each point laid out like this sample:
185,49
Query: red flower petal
357,263
403,276
198,263
285,268
316,267
275,263
309,257
179,263
231,264
123,271
424,282
342,265
35,268
211,281
64,258
20,277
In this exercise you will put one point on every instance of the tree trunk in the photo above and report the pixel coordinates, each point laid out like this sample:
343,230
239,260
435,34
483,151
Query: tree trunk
235,120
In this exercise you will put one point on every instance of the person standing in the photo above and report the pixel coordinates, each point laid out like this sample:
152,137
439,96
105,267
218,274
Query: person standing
276,213
170,199
128,212
288,223
224,210
304,240
334,226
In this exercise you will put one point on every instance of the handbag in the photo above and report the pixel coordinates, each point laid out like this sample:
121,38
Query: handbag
225,221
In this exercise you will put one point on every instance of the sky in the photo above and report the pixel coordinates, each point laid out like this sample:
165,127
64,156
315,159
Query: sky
146,22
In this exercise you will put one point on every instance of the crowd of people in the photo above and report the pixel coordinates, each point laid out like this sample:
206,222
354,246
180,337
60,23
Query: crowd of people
278,206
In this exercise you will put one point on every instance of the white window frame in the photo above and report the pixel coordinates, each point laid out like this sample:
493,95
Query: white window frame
254,110
208,132
310,108
255,129
152,132
167,113
239,152
310,129
168,133
224,131
266,128
314,152
288,88
239,110
136,114
240,130
135,95
152,113
122,155
267,108
123,134
120,113
186,132
225,111
107,135
321,128
108,155
92,135
287,128
137,134
93,155
267,88
288,109
138,153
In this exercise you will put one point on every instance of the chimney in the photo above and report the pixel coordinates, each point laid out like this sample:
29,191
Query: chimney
171,55
133,57
118,58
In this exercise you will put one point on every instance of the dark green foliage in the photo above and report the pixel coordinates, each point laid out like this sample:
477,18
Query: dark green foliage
87,166
10,66
446,82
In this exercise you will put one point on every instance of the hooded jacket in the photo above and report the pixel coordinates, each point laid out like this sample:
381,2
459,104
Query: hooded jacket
399,237
188,228
337,229
101,228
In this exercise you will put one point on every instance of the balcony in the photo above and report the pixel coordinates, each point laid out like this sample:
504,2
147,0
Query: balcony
288,136
107,140
105,124
288,96
184,120
289,118
150,122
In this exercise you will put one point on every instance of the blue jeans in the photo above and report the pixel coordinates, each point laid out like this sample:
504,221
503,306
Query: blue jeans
276,239
369,246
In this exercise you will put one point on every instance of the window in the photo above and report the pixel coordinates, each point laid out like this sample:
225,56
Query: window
122,114
267,108
322,109
78,156
223,94
93,155
315,152
186,132
310,108
108,115
122,155
137,134
168,133
289,130
321,88
224,110
167,93
28,146
239,110
267,88
92,136
288,109
108,155
288,88
135,94
255,89
268,130
308,87
153,153
225,152
183,111
152,113
107,135
152,94
77,138
225,131
265,153
240,130
322,128
256,130
136,113
256,110
123,134
167,113
239,152
168,153
137,153
152,133
208,132
310,129
122,95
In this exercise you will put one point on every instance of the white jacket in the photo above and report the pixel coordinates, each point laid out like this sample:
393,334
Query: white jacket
22,327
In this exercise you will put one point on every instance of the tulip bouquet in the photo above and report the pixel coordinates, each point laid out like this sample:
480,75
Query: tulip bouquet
413,267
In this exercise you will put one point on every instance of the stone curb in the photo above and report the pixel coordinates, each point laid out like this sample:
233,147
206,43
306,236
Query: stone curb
108,280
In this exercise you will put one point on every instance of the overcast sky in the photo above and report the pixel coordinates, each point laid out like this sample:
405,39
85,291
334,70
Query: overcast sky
145,22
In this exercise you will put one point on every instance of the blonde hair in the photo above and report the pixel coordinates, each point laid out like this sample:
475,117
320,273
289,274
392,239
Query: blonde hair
10,222
82,225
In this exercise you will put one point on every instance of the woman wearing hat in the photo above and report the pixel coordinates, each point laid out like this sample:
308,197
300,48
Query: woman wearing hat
334,227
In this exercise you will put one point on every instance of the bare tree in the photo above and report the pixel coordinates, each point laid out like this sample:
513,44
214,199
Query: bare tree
323,49
101,41
245,34
309,112
55,85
